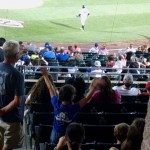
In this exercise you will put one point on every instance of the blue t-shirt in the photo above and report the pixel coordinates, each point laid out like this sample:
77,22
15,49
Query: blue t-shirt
11,85
62,57
49,55
63,114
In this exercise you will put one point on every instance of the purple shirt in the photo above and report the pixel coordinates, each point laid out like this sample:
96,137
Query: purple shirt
97,98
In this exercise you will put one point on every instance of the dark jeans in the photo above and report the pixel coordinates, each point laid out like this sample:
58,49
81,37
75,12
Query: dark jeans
54,138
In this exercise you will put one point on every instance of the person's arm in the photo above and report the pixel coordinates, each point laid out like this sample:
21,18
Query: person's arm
61,143
27,102
49,85
11,105
93,88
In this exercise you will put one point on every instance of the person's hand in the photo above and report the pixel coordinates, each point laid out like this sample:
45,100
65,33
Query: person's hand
61,143
95,83
44,71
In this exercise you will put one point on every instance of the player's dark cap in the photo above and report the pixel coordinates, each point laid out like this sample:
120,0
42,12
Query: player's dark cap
83,6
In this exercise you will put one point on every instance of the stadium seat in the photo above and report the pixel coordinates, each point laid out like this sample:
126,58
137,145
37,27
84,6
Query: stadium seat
97,133
41,107
42,135
107,118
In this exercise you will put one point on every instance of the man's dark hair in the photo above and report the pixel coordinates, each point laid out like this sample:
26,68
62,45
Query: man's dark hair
69,47
20,42
67,92
2,41
83,6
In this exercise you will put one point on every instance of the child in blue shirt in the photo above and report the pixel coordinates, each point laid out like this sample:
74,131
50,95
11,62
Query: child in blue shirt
64,110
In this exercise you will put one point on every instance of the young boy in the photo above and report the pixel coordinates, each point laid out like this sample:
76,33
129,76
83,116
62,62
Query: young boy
64,110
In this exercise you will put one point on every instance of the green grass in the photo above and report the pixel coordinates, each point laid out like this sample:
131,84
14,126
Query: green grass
56,21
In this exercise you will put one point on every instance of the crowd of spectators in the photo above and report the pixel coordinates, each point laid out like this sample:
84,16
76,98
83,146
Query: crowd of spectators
70,98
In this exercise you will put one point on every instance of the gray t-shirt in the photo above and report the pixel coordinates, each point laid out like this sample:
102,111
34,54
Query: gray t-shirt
11,85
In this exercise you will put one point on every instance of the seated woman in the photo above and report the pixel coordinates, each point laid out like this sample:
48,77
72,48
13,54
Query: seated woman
106,94
73,138
126,89
120,133
134,136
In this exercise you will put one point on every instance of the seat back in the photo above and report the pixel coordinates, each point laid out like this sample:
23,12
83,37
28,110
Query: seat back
99,133
41,107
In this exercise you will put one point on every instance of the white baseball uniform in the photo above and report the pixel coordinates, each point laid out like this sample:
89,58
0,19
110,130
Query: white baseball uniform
84,12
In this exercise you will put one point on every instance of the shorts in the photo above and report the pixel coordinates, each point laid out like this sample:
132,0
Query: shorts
11,135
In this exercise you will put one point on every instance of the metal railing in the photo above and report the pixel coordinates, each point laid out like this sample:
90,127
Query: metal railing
76,71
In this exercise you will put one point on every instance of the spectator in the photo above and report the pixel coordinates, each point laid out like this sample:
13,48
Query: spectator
34,55
64,110
77,54
106,94
57,50
75,47
49,54
120,133
126,89
79,85
62,56
39,92
94,49
69,51
131,49
11,104
147,87
110,63
103,50
73,138
46,45
2,41
133,71
21,46
30,47
134,136
119,64
139,51
96,72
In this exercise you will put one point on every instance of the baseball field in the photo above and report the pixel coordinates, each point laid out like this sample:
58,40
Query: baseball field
56,21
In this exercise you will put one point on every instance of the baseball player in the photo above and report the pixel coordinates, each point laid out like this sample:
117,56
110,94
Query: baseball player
83,14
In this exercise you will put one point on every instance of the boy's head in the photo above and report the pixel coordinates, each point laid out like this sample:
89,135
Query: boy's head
67,93
120,131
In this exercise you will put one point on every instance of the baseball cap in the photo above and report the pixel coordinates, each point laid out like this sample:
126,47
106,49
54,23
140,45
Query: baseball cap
97,63
96,44
26,58
147,86
128,78
46,44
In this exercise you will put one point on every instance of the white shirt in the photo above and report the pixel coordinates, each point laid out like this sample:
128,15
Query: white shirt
131,50
96,73
126,92
118,64
94,50
84,13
